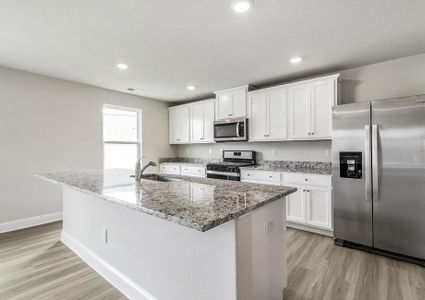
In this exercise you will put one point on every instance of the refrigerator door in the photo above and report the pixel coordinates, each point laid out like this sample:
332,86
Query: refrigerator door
398,150
351,173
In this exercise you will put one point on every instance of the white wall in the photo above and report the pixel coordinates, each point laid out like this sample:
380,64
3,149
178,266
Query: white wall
395,78
49,125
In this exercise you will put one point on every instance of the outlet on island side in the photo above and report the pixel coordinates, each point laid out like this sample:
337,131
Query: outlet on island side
268,228
104,235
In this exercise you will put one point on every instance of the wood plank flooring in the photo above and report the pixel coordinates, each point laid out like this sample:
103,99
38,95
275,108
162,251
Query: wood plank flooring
34,264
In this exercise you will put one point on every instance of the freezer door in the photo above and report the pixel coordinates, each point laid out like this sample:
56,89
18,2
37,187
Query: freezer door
351,173
398,150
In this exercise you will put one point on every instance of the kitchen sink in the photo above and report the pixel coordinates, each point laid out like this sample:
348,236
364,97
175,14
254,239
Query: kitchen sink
156,177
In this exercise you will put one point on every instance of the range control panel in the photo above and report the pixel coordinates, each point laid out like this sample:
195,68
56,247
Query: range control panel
350,165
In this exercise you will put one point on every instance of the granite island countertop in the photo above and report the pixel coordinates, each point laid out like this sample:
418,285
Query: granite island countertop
197,203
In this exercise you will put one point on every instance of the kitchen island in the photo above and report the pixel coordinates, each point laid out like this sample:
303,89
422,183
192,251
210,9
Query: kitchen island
177,237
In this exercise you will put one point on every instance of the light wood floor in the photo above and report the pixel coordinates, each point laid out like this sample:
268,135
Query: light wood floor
34,264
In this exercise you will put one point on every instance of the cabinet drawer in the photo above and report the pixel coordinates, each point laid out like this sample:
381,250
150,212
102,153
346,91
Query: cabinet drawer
308,179
190,170
170,169
265,177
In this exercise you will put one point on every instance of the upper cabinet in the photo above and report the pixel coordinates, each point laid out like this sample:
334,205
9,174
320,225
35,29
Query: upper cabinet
310,108
178,124
231,103
267,114
202,122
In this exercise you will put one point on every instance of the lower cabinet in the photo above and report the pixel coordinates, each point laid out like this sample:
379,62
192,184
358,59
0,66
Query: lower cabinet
310,207
182,169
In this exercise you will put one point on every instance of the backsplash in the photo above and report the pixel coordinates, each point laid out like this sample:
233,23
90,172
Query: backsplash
312,151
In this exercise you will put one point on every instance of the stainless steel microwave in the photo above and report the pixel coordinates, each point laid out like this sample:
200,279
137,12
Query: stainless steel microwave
231,130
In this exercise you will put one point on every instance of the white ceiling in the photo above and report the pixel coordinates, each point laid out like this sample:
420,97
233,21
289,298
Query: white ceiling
169,44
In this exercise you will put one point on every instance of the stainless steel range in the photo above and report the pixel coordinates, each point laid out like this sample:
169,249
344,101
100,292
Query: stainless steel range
229,168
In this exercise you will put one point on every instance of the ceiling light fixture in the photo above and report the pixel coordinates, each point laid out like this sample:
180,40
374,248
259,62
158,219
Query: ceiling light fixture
241,6
190,87
122,66
296,60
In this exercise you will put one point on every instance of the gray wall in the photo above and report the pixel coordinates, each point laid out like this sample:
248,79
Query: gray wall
49,125
395,78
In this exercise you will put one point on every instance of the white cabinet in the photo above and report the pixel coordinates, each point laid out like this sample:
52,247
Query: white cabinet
178,124
202,122
295,205
311,205
310,108
319,207
267,114
192,170
169,168
231,103
182,169
264,177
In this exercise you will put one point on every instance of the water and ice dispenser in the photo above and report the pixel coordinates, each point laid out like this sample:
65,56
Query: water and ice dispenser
350,165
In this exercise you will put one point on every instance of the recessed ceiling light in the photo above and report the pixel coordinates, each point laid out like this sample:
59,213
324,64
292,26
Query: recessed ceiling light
190,87
296,59
241,6
122,66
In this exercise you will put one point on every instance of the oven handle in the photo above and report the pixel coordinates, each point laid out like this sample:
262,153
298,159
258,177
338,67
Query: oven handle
237,129
223,173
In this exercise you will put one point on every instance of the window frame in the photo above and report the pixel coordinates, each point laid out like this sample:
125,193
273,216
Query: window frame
138,143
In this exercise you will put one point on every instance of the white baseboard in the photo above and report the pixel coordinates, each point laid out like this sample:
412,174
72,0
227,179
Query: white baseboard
310,229
124,284
30,222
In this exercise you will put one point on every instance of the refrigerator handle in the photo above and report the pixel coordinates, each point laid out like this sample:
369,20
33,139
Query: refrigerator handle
368,178
375,163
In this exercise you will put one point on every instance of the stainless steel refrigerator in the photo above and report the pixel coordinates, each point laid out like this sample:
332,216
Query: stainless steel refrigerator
378,168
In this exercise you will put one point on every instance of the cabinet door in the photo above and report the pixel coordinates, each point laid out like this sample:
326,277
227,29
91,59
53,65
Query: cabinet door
239,103
208,122
295,206
225,106
179,125
299,111
196,122
322,100
276,114
258,116
319,207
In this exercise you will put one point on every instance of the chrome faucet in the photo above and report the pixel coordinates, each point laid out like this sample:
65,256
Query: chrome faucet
139,169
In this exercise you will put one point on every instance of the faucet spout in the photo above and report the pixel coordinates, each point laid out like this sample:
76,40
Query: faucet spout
139,169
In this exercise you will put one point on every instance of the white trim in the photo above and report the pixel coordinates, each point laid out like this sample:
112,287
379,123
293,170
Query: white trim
124,284
30,222
310,229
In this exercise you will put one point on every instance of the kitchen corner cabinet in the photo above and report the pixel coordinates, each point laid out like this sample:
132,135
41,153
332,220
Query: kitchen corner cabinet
202,122
267,114
310,108
231,103
178,124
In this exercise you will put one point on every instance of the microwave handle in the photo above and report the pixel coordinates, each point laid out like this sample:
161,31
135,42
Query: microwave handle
237,129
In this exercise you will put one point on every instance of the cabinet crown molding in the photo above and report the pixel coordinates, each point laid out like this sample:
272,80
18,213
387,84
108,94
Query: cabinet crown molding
246,87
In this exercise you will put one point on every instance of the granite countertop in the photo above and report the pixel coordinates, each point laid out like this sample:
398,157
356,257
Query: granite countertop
309,167
197,203
291,169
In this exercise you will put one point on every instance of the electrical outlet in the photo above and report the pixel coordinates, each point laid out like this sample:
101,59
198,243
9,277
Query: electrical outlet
328,152
210,150
268,228
104,235
274,153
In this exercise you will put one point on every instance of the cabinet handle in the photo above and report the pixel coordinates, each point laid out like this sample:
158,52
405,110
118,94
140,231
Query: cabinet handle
305,179
229,115
177,139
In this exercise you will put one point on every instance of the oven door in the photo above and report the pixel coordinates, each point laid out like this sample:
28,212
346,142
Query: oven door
231,130
223,175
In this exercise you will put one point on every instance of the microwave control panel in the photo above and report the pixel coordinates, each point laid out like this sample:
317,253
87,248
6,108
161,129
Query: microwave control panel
350,165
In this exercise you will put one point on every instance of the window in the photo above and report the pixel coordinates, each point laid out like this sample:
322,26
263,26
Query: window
121,137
